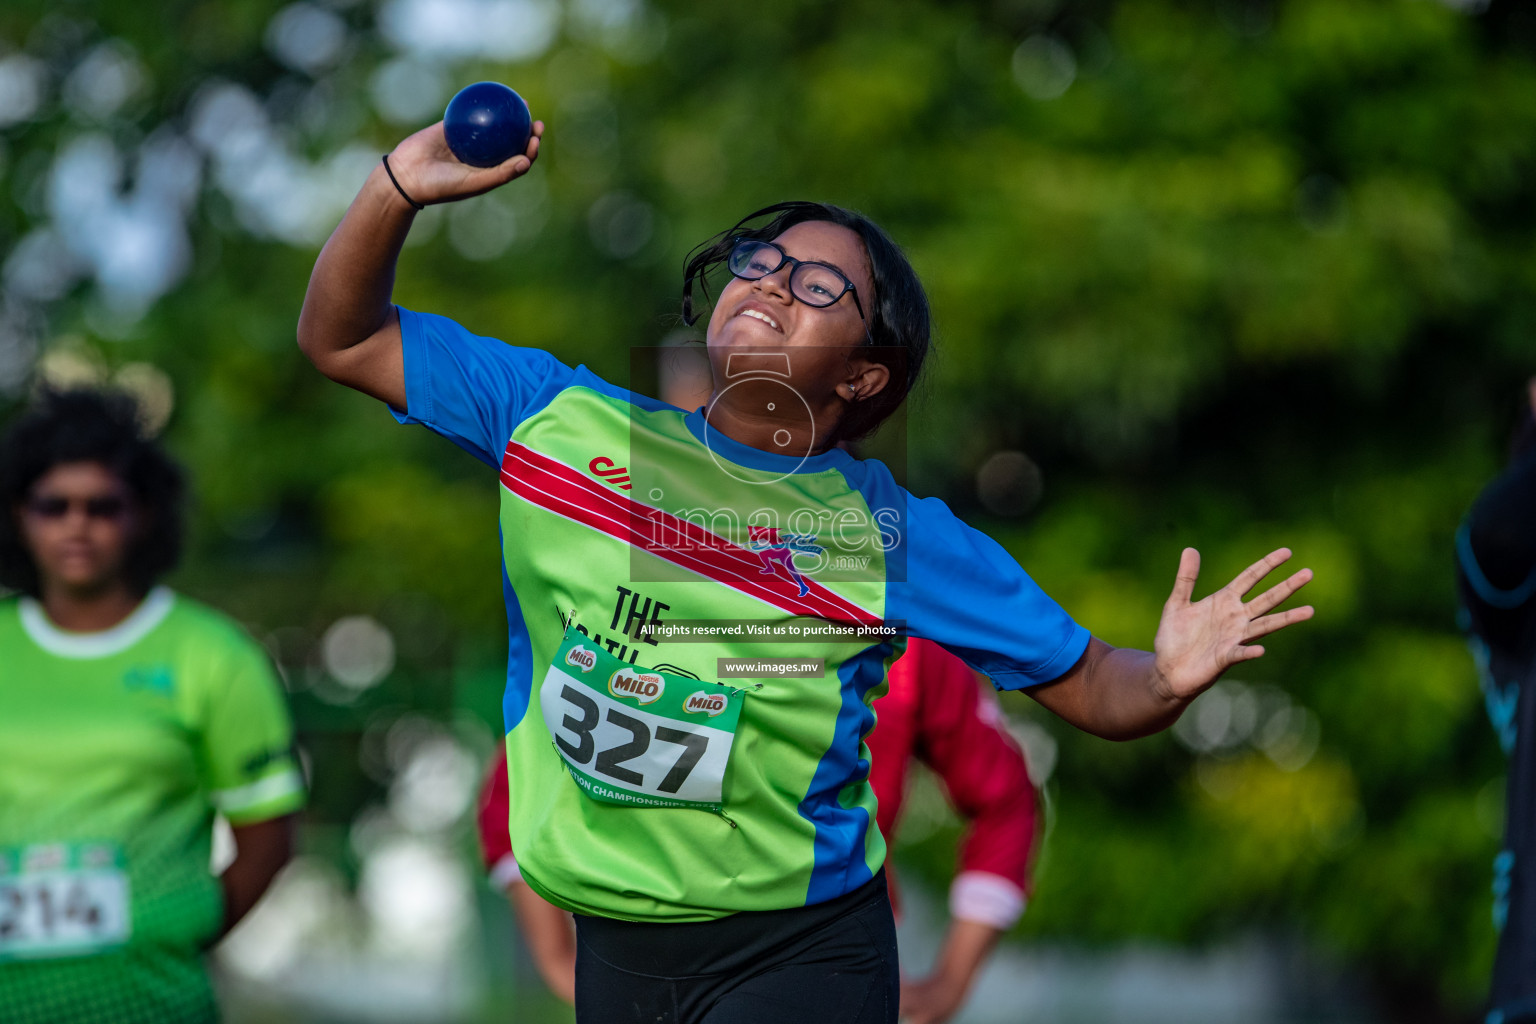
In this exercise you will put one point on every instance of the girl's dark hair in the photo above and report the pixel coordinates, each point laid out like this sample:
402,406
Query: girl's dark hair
90,426
897,314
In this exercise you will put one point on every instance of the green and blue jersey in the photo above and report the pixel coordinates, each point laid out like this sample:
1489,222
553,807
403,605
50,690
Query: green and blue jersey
625,523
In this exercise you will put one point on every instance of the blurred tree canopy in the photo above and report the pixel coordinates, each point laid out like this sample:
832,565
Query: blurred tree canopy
1229,273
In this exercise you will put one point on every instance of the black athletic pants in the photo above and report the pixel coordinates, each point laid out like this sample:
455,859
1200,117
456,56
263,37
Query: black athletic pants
832,963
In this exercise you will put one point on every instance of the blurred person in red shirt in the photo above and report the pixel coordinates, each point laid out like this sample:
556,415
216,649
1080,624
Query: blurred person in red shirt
943,713
937,710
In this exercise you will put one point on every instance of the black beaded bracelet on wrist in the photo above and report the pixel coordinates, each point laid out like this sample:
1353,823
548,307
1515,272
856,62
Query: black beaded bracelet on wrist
403,194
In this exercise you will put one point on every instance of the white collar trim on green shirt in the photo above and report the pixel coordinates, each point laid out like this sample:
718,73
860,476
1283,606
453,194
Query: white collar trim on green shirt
149,614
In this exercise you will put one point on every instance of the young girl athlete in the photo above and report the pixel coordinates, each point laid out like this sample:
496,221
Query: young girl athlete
713,834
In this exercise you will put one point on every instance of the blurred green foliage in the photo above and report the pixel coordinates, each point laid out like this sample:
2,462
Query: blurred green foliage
1232,273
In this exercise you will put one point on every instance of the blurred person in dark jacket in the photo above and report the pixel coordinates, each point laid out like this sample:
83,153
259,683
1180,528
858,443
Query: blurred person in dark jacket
1496,576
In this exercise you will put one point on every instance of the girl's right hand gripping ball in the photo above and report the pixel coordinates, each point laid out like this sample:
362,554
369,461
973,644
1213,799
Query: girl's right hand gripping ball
487,124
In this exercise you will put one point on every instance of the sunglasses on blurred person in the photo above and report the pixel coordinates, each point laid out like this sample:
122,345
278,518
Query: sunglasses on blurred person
108,508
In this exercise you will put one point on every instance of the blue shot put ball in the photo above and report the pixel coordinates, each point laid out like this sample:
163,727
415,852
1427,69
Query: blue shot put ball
486,124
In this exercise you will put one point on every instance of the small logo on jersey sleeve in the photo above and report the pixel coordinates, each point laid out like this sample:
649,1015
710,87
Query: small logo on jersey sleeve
702,703
644,687
581,657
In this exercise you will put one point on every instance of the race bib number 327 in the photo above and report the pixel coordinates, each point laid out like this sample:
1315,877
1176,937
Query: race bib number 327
62,899
635,736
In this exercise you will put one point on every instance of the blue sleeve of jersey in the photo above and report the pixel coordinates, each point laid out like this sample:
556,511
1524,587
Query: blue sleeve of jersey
472,390
954,585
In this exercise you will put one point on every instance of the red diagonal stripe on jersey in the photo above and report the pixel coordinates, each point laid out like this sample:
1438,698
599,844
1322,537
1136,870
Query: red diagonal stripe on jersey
558,496
565,491
707,552
560,489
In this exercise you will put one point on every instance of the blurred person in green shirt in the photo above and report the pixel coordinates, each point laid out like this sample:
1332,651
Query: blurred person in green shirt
129,716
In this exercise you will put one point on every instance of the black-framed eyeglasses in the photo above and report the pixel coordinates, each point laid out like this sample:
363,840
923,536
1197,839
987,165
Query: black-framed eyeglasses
108,508
815,284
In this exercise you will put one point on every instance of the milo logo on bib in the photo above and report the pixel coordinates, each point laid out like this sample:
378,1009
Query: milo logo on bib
702,703
583,658
644,687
